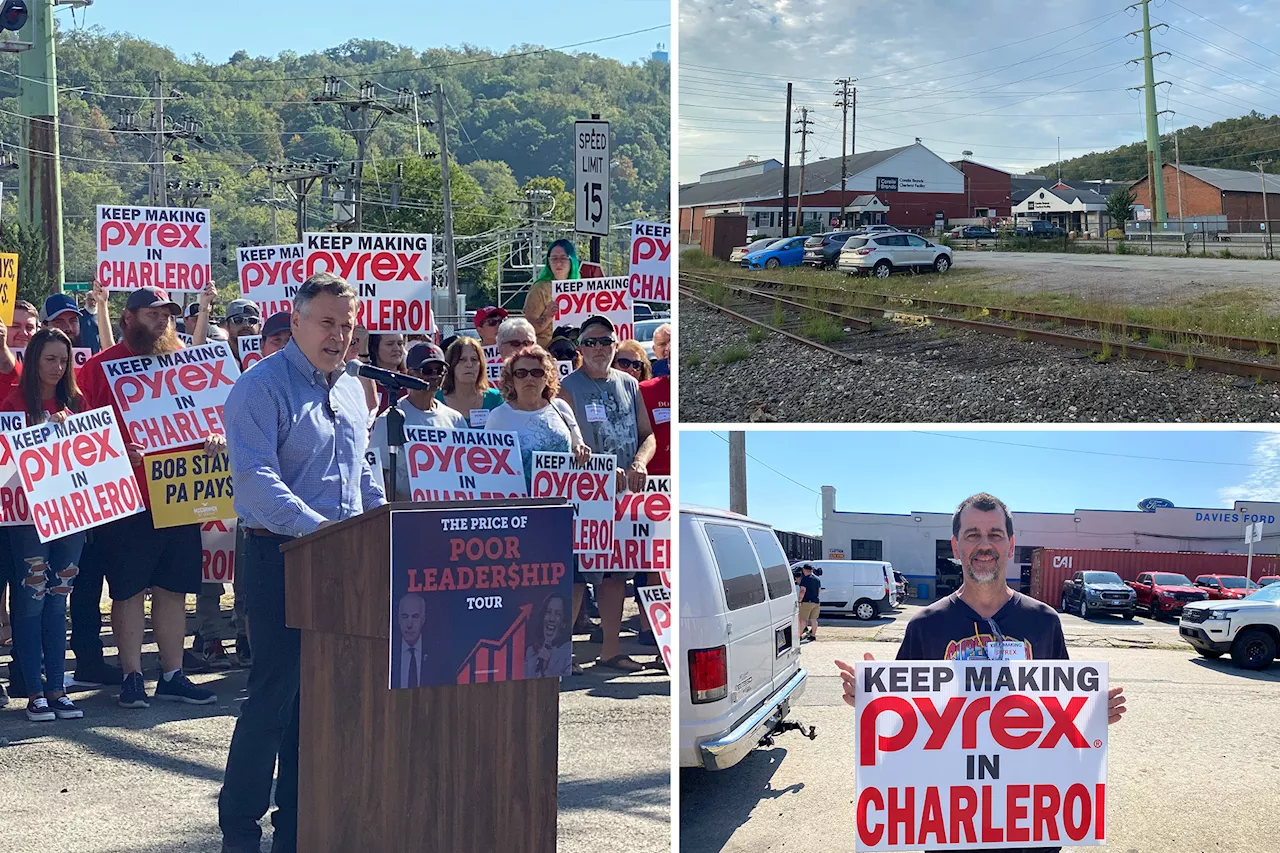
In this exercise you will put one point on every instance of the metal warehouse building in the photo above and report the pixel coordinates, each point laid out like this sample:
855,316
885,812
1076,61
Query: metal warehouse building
909,187
914,542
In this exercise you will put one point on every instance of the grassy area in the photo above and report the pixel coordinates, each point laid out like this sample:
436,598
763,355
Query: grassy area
733,353
823,328
756,335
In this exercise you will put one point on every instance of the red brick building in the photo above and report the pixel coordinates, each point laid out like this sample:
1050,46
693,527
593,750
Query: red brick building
988,191
1231,193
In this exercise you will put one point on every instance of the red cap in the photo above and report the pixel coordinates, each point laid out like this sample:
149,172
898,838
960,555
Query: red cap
490,311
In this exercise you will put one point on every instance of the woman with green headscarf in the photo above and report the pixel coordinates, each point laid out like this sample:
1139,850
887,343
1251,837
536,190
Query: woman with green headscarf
540,305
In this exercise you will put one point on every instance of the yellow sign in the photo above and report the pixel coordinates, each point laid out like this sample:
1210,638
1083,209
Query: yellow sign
8,286
187,487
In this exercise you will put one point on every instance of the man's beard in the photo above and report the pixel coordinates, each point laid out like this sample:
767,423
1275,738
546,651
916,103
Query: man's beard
143,341
971,572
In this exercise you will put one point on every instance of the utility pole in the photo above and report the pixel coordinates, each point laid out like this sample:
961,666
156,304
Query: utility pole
786,163
738,472
159,195
1266,223
844,103
450,259
363,114
1177,167
804,132
40,175
303,177
1155,166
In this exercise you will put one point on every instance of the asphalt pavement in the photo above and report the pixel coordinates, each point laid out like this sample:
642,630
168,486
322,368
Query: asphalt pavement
147,781
1196,745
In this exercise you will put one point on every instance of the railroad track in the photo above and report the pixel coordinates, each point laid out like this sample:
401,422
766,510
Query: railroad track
764,302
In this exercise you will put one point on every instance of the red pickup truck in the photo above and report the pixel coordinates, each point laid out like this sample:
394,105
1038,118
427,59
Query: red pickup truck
1161,593
1226,587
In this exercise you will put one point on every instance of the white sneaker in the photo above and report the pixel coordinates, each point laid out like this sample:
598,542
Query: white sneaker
38,710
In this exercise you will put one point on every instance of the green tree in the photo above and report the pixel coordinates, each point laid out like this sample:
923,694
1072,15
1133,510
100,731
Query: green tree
1120,207
32,250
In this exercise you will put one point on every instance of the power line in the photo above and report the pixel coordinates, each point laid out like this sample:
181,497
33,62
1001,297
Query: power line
1091,452
770,467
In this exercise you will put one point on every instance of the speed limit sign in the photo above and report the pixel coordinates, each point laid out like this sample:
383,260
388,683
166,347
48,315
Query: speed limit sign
591,167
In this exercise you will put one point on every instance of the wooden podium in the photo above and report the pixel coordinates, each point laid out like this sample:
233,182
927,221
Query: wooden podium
456,769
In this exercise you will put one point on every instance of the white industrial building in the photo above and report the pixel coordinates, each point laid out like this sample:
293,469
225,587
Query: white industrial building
913,542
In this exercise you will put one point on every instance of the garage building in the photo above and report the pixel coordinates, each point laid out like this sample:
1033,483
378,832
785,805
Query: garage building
1224,199
915,542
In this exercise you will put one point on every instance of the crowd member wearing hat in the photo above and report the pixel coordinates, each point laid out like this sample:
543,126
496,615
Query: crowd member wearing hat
611,413
276,333
62,313
488,319
425,361
466,384
243,317
136,555
564,345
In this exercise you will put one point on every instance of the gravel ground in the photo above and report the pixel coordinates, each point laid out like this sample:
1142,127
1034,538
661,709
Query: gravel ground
1143,280
1042,383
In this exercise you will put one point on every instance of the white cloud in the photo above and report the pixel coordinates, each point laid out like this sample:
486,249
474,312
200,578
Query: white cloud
1263,482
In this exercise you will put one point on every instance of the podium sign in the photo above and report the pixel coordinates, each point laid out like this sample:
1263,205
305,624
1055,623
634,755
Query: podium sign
480,595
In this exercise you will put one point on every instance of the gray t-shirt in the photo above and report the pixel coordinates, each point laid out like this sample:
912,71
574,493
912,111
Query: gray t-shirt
440,416
551,429
606,412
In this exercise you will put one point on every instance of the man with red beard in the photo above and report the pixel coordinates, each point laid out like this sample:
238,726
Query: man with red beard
139,557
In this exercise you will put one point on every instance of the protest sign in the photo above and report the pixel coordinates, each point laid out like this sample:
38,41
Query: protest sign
657,606
480,595
590,488
14,509
76,474
564,368
994,754
165,247
463,464
493,364
187,487
175,398
218,551
8,286
79,355
270,275
390,272
649,279
578,299
641,532
250,347
187,340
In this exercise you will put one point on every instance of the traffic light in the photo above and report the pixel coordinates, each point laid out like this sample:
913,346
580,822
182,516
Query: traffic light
13,15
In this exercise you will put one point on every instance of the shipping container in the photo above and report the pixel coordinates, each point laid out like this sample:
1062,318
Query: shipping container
1051,566
800,546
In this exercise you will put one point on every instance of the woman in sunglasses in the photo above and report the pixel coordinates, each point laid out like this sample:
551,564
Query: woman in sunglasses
529,384
630,358
466,387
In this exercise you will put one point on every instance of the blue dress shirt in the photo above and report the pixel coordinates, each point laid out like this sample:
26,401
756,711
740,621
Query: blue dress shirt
297,439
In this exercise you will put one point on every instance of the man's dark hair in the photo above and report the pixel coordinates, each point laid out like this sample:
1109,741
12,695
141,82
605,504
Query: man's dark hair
321,282
806,566
986,503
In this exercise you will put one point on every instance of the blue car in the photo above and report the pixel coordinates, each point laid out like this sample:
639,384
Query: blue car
783,253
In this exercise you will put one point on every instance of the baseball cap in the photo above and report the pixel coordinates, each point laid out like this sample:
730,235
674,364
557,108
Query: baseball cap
151,297
490,311
421,353
567,333
243,307
59,303
597,320
277,322
193,309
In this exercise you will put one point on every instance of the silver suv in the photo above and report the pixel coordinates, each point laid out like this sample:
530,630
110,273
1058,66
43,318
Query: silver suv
881,254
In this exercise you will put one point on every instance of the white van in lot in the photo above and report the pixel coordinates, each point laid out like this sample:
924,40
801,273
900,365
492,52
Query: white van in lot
862,588
739,638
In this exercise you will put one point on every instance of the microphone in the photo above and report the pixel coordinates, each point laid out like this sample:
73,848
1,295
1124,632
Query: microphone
386,378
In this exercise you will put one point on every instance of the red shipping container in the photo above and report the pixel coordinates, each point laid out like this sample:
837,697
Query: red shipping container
1051,566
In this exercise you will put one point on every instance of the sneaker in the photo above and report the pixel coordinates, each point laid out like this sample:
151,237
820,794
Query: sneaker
194,663
133,692
4,696
215,656
243,653
66,709
181,689
38,711
97,673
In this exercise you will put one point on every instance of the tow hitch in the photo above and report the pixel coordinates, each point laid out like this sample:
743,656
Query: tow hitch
788,726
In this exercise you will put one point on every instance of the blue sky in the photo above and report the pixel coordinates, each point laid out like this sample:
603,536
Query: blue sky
1001,78
933,470
219,29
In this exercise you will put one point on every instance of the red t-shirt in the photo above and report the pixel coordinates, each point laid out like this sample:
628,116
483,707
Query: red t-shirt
9,381
657,400
13,402
96,391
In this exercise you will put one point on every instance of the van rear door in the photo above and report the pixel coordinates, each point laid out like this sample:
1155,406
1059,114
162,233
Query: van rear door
748,618
783,608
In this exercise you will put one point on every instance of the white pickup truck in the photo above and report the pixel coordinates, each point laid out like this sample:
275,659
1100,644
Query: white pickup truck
1248,628
739,637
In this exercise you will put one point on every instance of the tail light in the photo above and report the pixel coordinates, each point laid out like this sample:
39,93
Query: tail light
865,251
708,674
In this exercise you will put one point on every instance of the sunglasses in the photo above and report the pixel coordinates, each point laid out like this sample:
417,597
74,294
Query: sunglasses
627,364
431,370
525,372
592,343
492,321
245,321
520,343
995,629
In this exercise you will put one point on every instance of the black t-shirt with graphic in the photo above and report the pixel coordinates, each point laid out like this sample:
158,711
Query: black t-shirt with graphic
950,629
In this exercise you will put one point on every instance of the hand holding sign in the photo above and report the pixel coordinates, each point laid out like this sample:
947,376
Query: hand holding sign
214,443
848,678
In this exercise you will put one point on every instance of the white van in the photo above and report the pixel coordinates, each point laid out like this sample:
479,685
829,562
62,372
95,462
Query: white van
862,588
739,638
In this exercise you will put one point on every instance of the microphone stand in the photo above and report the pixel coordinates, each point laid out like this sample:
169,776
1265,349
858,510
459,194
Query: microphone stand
395,443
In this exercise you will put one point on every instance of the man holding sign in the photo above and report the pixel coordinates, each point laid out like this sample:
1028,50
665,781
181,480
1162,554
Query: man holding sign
136,555
985,620
297,425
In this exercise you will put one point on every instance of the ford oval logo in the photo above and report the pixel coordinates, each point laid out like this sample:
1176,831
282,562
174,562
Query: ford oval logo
1153,504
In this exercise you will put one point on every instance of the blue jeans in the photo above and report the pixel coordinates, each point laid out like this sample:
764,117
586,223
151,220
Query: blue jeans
44,572
268,724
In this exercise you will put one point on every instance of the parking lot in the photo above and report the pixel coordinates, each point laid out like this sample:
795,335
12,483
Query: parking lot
1191,767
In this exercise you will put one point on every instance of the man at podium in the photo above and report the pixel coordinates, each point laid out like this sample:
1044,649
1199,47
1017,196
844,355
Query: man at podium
297,430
